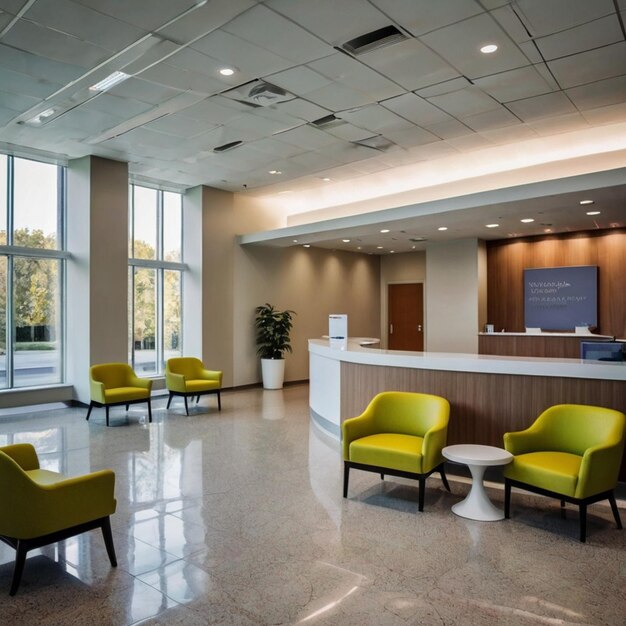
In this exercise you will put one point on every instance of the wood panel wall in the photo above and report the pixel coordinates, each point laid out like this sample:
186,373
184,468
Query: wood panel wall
531,345
483,406
506,261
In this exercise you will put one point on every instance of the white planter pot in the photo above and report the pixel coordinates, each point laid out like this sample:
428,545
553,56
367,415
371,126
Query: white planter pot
273,371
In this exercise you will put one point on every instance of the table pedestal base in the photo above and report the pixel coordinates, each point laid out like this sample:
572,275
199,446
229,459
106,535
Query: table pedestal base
477,505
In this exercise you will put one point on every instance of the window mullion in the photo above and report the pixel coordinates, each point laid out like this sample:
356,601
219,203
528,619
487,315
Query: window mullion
9,323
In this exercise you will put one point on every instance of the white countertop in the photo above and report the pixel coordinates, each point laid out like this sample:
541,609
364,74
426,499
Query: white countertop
586,336
353,352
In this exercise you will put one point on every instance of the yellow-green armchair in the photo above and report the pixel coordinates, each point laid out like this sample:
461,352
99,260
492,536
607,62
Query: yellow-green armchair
572,452
41,507
399,433
186,376
115,384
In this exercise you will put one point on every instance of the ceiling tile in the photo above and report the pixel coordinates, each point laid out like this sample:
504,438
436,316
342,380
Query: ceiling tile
16,102
548,105
307,137
211,112
144,91
54,45
415,109
302,109
499,118
376,118
84,23
460,44
121,107
299,80
410,137
510,134
275,147
523,82
410,64
333,21
6,115
465,102
337,97
590,66
348,132
422,16
315,160
447,86
12,6
600,32
38,67
545,18
26,85
561,124
257,126
450,129
599,94
179,126
606,115
350,73
466,143
182,79
509,20
235,52
278,35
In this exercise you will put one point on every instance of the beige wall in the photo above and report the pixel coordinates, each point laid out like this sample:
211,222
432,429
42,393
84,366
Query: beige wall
398,268
455,295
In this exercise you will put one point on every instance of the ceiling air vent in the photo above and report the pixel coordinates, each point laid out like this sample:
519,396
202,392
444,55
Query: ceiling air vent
227,146
328,121
380,38
418,239
258,93
377,142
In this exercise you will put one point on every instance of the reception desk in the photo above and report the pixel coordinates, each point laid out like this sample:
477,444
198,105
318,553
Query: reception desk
489,395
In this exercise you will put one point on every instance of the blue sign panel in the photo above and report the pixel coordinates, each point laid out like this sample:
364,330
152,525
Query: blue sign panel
561,298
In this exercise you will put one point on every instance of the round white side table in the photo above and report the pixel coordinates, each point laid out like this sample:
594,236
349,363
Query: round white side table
477,505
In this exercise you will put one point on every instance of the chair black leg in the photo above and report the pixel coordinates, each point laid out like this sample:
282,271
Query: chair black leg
89,411
20,559
186,406
583,523
563,509
169,401
422,482
382,477
197,399
507,499
128,405
106,408
149,411
108,540
615,510
346,477
219,401
444,478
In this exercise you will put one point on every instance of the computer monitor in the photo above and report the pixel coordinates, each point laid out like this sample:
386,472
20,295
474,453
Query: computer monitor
601,351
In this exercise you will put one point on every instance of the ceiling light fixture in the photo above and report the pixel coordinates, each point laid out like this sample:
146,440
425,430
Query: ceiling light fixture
306,245
274,172
40,117
346,240
489,48
384,230
586,202
443,228
527,220
326,180
392,251
492,225
295,241
110,81
227,71
593,212
379,247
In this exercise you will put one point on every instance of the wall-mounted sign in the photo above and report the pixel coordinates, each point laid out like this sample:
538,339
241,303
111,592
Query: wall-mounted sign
338,330
561,298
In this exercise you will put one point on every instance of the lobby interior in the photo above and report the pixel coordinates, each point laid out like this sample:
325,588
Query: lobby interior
350,170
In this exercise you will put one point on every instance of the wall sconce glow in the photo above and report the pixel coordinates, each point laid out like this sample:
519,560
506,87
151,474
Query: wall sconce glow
227,71
489,48
443,228
110,81
527,220
586,202
384,230
593,212
492,225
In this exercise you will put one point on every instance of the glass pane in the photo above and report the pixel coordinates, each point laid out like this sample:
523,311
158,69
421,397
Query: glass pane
35,204
3,322
145,223
144,334
172,318
172,226
36,323
3,199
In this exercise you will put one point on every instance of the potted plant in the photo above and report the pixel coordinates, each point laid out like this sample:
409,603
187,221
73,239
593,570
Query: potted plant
272,341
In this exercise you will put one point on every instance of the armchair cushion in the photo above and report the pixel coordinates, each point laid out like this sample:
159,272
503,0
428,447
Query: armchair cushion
395,451
123,394
188,375
554,471
117,382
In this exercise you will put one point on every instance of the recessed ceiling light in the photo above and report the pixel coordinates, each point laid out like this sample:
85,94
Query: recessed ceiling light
593,212
392,251
358,247
110,81
379,247
412,247
295,241
384,230
40,117
346,240
489,48
586,202
527,220
227,71
443,228
306,245
326,180
274,172
547,230
492,225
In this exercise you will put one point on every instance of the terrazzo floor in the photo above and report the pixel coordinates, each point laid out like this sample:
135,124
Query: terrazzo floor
237,517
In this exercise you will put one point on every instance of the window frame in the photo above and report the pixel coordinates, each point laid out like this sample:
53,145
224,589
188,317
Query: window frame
160,266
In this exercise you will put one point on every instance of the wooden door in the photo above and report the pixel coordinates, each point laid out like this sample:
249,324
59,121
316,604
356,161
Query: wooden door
405,307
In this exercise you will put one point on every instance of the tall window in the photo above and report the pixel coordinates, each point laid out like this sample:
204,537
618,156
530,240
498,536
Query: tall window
32,265
155,279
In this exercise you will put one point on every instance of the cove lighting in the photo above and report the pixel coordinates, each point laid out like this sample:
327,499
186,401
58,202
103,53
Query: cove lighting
527,220
110,81
593,212
492,225
227,71
586,202
489,48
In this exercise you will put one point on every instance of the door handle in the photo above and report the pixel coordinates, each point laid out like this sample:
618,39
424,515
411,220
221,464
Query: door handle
419,328
391,329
